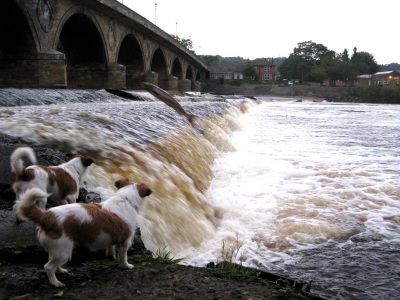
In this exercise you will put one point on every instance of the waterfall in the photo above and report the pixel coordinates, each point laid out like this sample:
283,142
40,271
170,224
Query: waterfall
142,140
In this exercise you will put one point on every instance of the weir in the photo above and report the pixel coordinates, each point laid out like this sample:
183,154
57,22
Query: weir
142,140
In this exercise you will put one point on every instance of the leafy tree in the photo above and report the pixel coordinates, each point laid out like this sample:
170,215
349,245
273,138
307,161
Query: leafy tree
315,62
306,56
389,67
345,56
184,42
295,67
364,62
317,74
210,60
250,72
229,61
312,52
342,70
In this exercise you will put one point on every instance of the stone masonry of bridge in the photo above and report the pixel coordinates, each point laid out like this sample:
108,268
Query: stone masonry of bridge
90,44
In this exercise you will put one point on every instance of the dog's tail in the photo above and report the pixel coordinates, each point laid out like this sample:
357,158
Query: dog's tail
25,207
17,165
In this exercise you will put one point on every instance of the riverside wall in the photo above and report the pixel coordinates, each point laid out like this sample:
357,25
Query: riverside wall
312,91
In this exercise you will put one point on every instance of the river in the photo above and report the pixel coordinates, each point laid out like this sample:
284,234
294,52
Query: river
309,190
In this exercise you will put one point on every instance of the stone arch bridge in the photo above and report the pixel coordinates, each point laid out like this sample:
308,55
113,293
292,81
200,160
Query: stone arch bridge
90,44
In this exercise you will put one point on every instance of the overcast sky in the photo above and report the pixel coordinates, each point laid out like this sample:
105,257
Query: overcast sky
264,28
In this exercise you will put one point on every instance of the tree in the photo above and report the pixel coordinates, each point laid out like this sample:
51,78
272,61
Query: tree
184,42
364,62
210,60
315,62
305,57
312,52
389,67
345,56
250,72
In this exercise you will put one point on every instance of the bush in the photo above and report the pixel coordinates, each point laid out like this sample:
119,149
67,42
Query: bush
378,93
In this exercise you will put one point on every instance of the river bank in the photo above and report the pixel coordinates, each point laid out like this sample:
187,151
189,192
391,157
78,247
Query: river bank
316,91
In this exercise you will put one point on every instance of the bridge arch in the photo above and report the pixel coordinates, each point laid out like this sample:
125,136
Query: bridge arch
159,65
177,69
19,46
81,41
189,73
198,76
130,55
184,84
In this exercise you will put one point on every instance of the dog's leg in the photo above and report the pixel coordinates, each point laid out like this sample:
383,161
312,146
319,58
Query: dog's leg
61,270
52,266
110,251
123,257
59,254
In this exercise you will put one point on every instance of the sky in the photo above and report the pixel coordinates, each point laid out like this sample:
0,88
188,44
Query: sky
256,28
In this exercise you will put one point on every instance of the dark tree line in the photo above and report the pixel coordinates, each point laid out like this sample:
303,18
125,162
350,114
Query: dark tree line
312,62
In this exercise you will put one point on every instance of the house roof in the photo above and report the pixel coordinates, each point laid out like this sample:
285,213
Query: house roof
386,73
261,62
226,68
364,76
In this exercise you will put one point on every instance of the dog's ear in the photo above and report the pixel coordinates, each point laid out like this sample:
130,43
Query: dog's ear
86,161
121,183
143,190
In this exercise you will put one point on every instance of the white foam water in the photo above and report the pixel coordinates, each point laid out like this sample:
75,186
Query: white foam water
312,192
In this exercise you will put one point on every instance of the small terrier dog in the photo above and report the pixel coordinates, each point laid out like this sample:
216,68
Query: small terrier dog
60,182
94,225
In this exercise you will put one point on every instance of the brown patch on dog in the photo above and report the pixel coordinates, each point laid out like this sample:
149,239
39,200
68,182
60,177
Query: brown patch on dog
86,161
66,184
143,190
121,183
26,175
45,219
103,221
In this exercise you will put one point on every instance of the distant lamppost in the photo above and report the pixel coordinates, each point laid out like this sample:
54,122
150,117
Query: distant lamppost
155,13
176,29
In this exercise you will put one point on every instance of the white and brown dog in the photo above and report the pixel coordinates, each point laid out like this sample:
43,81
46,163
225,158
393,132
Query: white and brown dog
94,225
60,182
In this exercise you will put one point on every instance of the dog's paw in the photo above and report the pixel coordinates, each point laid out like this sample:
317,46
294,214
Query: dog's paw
61,270
128,266
57,284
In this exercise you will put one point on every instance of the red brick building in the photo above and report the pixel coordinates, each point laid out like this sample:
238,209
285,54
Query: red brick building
228,72
385,78
379,78
264,68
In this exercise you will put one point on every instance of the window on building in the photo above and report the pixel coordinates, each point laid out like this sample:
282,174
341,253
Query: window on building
266,69
266,77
